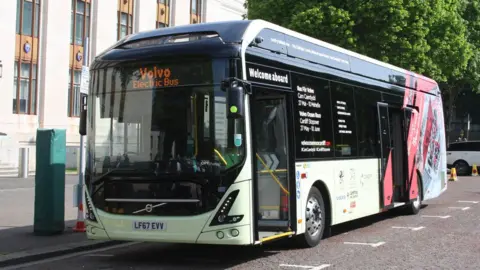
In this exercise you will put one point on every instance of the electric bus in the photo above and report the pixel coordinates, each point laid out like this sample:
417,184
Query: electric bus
242,132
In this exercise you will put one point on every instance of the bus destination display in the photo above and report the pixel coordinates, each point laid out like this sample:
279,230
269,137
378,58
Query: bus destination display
155,76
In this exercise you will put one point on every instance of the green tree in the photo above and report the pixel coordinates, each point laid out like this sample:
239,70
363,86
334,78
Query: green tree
427,37
435,38
469,80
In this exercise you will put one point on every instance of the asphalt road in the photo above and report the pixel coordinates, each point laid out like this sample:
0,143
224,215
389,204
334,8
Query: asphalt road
444,235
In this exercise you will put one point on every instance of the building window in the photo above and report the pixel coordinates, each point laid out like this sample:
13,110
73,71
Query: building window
195,11
74,93
80,22
125,18
163,13
26,57
79,30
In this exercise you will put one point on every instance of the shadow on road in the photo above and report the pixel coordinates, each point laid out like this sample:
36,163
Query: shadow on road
286,244
186,256
368,221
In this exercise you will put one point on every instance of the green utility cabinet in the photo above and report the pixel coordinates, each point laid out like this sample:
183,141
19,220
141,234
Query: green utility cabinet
49,216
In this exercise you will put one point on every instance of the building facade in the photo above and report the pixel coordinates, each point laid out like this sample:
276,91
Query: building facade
42,52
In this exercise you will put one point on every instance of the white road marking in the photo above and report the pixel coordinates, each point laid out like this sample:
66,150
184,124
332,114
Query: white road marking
463,208
365,244
25,265
410,228
323,266
468,202
444,217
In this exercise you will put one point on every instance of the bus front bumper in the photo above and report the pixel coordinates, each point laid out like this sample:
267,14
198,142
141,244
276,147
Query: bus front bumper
187,230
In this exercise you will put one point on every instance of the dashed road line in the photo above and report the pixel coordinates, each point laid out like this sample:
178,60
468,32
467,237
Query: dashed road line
323,266
474,202
444,217
365,244
409,228
463,208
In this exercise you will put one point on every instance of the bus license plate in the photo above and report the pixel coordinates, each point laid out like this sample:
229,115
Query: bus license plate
149,226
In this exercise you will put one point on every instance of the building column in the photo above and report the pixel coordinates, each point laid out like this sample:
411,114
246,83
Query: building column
54,63
8,18
104,26
181,12
145,15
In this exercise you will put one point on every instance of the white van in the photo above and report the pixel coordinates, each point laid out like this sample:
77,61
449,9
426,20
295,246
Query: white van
462,156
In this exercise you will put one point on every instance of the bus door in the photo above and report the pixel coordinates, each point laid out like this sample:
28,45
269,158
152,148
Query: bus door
399,153
393,134
386,174
272,166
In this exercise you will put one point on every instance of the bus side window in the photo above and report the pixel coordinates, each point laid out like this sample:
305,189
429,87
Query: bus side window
367,122
344,120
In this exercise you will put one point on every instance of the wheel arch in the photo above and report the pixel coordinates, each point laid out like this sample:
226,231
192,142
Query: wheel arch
420,182
460,160
322,187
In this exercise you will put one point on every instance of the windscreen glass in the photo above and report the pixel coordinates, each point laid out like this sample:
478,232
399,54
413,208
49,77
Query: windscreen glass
162,118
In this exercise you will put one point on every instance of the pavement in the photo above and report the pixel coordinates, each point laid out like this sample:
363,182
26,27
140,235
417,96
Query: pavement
444,235
18,244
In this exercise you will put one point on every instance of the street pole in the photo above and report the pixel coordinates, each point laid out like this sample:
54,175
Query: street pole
81,174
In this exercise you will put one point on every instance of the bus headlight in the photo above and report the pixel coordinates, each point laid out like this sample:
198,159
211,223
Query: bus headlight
222,217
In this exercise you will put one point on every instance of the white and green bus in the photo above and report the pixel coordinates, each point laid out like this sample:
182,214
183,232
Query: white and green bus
237,133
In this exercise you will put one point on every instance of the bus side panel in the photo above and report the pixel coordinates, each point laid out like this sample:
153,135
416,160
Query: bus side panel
431,153
426,146
353,187
410,97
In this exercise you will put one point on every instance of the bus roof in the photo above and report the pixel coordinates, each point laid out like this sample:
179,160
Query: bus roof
286,41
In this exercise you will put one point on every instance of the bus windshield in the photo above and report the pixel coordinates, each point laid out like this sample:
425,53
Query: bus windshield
167,119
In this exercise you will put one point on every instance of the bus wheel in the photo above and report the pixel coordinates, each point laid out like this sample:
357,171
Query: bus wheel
414,207
314,219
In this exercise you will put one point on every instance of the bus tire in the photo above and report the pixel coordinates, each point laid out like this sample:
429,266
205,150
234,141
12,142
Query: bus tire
314,220
414,207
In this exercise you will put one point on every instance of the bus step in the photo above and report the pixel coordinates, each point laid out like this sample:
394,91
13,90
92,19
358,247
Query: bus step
276,236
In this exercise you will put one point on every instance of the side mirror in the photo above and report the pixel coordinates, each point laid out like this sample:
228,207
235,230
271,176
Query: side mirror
235,101
82,129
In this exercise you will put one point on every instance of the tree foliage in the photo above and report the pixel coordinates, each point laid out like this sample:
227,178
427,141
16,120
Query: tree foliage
471,15
436,38
430,37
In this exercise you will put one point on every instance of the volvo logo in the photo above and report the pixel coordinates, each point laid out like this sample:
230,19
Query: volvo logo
149,208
